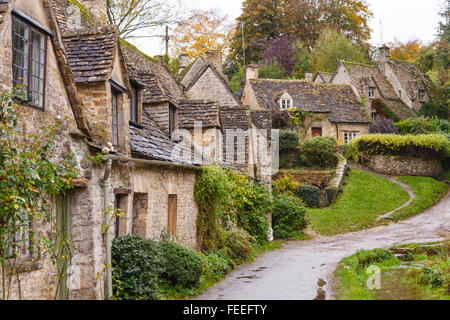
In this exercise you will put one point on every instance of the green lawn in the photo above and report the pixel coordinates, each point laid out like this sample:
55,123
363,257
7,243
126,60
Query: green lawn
365,198
428,192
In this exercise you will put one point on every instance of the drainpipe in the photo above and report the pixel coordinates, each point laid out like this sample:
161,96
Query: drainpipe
106,186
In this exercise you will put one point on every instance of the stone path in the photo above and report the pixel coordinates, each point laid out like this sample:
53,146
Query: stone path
303,270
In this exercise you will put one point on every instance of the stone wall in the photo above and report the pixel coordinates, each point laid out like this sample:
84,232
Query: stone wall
403,166
158,183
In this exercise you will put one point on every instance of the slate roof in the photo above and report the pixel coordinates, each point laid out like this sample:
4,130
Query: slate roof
91,53
63,10
190,111
325,76
361,75
410,77
161,85
338,100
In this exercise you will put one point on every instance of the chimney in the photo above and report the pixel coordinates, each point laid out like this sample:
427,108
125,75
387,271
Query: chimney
215,58
384,54
309,77
97,8
184,62
251,72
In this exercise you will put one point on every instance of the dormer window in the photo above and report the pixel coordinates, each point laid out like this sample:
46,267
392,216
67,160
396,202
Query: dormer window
285,101
422,95
400,94
173,119
134,105
371,92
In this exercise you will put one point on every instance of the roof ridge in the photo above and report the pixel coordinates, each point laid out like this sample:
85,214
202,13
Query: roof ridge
87,31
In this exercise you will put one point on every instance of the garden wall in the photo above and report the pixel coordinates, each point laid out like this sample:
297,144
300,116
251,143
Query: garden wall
403,166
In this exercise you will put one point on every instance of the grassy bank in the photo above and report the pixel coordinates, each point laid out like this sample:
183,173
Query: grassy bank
428,192
365,198
213,273
424,274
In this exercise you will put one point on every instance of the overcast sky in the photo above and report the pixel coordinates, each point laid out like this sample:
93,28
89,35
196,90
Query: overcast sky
401,19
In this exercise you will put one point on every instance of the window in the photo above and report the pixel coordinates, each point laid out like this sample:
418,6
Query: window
134,105
371,92
29,57
172,215
421,95
349,136
316,132
399,93
115,117
374,115
172,119
117,201
285,104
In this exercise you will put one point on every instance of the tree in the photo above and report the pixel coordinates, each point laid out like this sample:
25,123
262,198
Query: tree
136,17
332,47
408,51
281,50
304,19
272,70
206,30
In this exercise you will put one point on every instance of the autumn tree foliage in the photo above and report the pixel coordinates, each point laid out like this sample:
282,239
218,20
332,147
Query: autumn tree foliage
405,51
304,19
203,31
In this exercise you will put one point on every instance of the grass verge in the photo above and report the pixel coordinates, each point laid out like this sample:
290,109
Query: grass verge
424,274
428,192
211,275
364,199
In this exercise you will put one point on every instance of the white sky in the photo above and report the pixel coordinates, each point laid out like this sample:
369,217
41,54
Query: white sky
401,19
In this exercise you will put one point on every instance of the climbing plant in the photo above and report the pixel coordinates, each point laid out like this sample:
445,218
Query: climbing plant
30,177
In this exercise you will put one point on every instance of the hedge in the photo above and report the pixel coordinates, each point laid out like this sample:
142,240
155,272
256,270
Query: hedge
416,146
310,195
289,216
320,152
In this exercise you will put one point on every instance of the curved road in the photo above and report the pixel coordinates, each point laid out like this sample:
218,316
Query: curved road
299,269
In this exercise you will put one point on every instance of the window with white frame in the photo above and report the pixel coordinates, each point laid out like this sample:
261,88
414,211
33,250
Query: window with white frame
371,92
421,95
285,101
349,136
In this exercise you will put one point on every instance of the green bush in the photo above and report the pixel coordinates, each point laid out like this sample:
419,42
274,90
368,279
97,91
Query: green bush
310,195
331,194
435,110
215,265
137,264
288,216
289,140
290,156
417,146
286,184
238,245
422,125
367,258
320,152
183,266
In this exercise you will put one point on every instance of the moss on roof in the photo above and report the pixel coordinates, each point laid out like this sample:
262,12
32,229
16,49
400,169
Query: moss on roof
133,47
85,14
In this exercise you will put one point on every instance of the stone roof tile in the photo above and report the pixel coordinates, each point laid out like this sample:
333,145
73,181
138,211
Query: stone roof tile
190,111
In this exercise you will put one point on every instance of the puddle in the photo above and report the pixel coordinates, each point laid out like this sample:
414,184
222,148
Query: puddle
321,294
395,285
249,277
260,269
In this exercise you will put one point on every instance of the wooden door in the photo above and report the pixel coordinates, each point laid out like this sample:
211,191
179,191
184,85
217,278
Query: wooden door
316,132
172,215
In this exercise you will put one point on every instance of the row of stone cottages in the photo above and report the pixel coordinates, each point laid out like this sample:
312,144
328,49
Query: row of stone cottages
105,92
343,104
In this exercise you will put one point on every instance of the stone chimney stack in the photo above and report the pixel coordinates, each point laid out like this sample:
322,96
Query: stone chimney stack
251,72
384,54
215,58
98,10
184,62
309,77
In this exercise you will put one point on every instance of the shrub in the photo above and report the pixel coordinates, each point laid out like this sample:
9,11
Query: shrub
286,184
435,110
422,125
238,246
289,140
288,216
289,150
320,152
215,265
383,125
331,194
137,264
310,195
366,258
417,146
183,266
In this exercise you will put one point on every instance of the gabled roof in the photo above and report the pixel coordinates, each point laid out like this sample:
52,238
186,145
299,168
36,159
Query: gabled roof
160,84
362,74
410,76
190,111
325,76
338,100
91,53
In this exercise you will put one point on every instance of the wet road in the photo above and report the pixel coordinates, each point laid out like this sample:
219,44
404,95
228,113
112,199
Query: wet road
300,270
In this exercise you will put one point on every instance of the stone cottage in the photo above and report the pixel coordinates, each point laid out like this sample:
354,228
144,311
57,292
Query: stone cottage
334,109
400,86
247,132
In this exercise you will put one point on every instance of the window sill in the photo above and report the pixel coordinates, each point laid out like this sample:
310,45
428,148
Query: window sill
136,125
